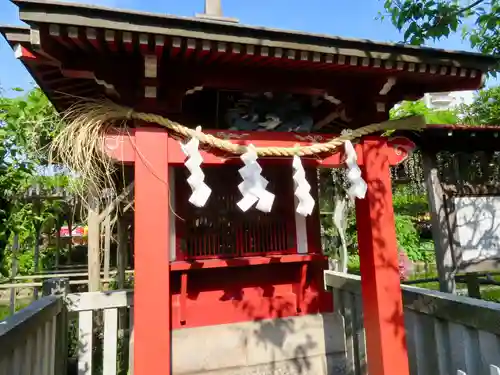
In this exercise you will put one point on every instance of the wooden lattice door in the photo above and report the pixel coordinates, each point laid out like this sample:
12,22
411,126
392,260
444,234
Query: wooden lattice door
221,229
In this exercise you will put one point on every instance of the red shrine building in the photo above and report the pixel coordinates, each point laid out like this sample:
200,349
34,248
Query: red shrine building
215,266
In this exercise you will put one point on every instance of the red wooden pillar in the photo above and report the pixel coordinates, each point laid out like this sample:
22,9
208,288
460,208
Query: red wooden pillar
151,289
380,283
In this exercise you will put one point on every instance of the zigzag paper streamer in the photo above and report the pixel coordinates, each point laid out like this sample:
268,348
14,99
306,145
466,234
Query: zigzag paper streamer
358,185
253,186
200,190
302,188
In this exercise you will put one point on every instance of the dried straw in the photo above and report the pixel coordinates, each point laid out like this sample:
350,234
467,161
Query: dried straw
80,145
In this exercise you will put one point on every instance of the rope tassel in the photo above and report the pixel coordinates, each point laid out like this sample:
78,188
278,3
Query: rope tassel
358,185
253,186
302,188
200,190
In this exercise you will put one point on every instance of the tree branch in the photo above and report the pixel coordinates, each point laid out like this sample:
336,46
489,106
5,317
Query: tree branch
474,4
456,13
125,193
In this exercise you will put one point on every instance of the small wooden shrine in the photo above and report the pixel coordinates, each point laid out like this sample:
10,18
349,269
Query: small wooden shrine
202,261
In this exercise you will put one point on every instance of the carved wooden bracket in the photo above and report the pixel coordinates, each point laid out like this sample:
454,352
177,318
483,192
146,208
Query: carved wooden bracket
400,148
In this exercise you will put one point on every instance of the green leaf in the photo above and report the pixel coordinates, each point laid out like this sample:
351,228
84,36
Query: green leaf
426,20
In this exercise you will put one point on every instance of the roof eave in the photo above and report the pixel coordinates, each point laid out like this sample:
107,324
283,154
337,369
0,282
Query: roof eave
41,11
15,34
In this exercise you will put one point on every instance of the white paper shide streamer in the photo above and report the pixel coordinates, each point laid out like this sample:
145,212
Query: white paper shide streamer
253,186
358,185
200,190
302,188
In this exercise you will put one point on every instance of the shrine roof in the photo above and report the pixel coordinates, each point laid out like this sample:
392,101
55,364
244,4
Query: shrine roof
457,138
74,14
75,50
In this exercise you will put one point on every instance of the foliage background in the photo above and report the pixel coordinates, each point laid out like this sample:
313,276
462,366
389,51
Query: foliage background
424,20
410,200
27,124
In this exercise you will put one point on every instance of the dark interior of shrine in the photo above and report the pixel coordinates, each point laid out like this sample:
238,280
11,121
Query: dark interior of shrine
261,111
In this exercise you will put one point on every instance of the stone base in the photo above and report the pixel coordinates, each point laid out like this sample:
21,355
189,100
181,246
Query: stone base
302,345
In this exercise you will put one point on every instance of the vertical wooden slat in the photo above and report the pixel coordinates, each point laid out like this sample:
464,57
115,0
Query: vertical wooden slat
121,250
58,241
38,364
413,341
107,247
347,312
472,353
457,347
29,356
62,340
17,359
361,336
47,346
110,341
85,343
442,346
4,366
337,303
53,354
426,347
131,343
94,253
489,348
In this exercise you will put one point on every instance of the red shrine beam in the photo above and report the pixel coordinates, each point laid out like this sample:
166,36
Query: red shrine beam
121,146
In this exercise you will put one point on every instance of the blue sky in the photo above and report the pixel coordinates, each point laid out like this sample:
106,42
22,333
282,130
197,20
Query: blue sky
347,18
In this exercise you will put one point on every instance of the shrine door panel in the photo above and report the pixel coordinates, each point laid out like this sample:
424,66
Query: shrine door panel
221,229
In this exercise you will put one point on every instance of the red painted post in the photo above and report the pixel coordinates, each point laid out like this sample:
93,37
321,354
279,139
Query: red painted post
151,258
380,283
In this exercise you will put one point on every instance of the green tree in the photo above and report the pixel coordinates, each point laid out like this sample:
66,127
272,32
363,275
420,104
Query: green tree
485,109
423,20
432,116
27,125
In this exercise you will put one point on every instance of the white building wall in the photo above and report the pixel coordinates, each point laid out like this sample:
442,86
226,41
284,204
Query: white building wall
448,100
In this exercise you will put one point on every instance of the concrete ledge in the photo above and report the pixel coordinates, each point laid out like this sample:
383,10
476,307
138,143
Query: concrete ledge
297,345
332,364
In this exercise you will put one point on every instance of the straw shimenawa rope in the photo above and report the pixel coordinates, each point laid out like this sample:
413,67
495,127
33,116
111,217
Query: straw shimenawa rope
415,122
80,144
114,112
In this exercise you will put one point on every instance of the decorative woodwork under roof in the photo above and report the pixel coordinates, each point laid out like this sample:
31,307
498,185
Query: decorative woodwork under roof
151,61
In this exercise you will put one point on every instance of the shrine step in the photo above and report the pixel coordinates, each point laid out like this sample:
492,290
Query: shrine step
305,345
